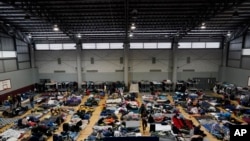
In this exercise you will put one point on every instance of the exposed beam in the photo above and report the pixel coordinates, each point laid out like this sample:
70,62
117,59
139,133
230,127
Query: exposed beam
240,31
207,13
36,10
13,31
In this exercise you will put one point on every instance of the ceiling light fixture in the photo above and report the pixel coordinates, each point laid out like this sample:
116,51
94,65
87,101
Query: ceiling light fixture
130,34
178,34
79,35
228,34
29,35
133,26
55,28
203,25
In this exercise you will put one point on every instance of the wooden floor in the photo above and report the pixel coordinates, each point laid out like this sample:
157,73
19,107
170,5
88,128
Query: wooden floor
94,118
195,122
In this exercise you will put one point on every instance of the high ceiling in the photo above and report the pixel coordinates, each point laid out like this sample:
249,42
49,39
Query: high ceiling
110,20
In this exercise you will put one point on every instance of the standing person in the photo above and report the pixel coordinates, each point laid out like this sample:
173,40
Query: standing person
32,101
144,117
19,99
142,109
14,101
10,102
151,123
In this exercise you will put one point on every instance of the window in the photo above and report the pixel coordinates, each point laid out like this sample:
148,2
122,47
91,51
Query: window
55,47
102,46
198,44
69,46
136,45
116,45
245,51
153,45
212,44
88,46
150,45
185,45
42,46
7,54
66,46
164,45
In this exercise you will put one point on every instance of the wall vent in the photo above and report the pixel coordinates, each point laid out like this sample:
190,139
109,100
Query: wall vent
92,70
59,71
121,60
153,60
155,70
188,60
188,70
119,70
59,61
92,61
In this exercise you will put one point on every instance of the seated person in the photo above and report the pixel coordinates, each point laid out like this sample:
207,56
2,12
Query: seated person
108,133
99,135
217,129
37,136
26,122
224,116
198,131
202,111
194,110
177,130
196,138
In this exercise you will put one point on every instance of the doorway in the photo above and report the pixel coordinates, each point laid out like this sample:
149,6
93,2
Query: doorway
204,83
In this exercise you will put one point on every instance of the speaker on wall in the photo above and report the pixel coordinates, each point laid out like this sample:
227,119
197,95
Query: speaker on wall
59,61
188,60
92,61
153,60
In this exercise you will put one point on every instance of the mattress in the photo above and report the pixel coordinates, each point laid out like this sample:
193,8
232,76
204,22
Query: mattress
101,127
4,108
11,133
159,127
117,100
132,123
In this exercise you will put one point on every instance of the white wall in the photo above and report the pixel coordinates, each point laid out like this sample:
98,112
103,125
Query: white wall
235,75
19,79
104,60
205,63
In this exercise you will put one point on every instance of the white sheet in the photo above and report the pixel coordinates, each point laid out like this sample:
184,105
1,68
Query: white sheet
118,100
134,88
101,127
159,127
11,133
132,123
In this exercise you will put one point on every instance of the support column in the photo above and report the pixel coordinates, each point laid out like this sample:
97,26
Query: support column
32,63
79,64
32,56
174,63
225,46
224,54
126,44
125,60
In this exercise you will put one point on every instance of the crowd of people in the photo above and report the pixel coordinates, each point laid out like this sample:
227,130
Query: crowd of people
16,101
